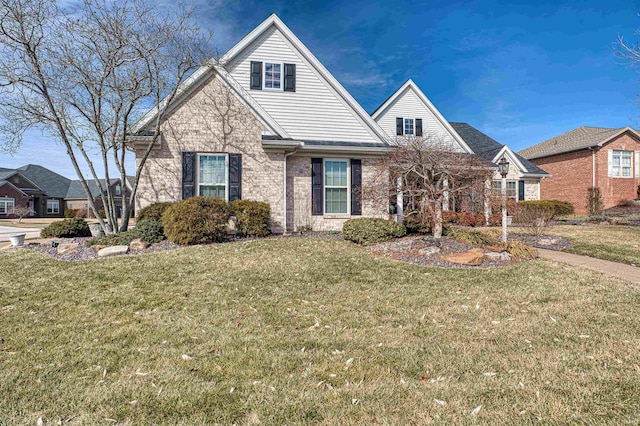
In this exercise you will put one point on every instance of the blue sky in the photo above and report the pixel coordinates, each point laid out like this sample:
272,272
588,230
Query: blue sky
520,71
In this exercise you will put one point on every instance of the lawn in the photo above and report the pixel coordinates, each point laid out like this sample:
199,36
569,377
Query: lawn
301,331
609,242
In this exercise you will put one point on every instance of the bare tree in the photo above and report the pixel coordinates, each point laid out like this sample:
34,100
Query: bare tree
21,212
428,172
85,75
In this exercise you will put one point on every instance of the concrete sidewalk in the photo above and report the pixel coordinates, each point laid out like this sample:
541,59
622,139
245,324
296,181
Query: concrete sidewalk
614,269
6,231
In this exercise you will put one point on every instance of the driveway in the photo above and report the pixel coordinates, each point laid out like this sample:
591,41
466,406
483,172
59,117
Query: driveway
5,231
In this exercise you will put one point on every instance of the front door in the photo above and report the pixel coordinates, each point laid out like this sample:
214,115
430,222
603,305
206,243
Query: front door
32,210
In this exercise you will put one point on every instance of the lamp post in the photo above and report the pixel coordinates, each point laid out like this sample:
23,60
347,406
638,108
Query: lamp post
503,169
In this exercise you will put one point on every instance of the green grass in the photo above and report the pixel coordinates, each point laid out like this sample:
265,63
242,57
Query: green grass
608,242
302,331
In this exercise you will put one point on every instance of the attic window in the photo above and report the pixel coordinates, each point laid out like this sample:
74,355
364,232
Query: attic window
408,126
118,190
272,76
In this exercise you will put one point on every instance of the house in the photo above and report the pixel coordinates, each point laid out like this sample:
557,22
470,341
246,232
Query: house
607,158
409,113
267,122
46,193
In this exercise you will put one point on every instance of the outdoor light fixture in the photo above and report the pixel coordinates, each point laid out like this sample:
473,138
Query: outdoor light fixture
503,167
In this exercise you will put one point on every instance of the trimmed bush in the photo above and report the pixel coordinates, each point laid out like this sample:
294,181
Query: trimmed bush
119,239
252,217
70,213
153,212
368,231
414,224
68,228
196,220
471,237
558,208
149,230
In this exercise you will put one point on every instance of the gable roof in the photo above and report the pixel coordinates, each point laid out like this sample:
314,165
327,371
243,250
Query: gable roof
50,182
410,85
6,182
489,149
581,138
200,75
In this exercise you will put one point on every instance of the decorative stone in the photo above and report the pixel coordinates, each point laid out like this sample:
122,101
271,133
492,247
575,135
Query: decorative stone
492,255
113,251
472,257
138,244
67,248
548,241
428,251
97,247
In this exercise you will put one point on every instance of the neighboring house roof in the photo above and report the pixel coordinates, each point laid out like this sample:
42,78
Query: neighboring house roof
76,190
204,73
7,183
410,85
50,182
581,138
489,149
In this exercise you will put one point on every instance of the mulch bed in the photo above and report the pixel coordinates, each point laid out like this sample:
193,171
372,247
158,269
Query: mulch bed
85,253
633,209
416,249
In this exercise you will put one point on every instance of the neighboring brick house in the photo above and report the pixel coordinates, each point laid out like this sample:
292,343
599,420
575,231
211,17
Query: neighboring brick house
46,193
589,157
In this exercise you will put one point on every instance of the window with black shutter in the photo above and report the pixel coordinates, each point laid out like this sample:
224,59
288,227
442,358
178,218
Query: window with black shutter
256,75
317,176
356,187
289,77
188,174
418,126
399,126
235,177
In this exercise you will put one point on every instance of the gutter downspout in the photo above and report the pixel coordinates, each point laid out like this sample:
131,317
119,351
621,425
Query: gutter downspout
593,167
284,189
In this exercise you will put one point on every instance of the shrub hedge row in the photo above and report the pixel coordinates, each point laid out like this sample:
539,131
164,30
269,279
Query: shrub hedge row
368,231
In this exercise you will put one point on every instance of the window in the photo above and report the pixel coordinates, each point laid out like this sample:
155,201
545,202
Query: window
212,175
336,186
7,205
408,126
621,163
118,190
272,76
512,188
53,206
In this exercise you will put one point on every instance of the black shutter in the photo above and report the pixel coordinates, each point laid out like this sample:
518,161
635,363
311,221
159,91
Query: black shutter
399,126
256,75
418,126
188,174
289,77
356,187
521,190
235,177
317,197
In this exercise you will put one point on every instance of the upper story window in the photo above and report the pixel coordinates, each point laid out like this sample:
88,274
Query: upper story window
620,163
212,175
118,190
272,75
408,126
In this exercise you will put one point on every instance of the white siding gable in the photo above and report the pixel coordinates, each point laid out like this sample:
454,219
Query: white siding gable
315,111
408,102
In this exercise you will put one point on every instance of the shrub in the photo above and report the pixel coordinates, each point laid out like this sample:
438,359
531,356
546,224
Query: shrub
102,213
68,228
252,217
70,213
594,201
517,248
557,207
119,239
149,230
415,224
471,237
196,220
153,212
81,213
368,231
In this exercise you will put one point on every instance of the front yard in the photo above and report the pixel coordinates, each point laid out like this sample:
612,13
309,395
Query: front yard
608,242
311,331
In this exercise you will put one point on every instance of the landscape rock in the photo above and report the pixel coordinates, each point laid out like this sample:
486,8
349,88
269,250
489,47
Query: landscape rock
548,241
113,251
138,244
492,255
428,251
67,248
472,257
